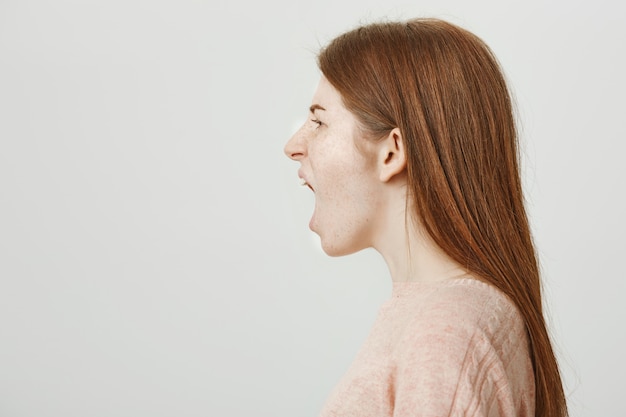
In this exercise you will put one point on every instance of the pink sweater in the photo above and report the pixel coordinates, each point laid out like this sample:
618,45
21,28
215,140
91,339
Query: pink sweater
454,348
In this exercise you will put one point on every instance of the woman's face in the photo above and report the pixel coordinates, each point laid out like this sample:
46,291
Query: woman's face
342,177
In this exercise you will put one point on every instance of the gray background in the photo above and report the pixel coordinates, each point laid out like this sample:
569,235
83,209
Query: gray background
155,258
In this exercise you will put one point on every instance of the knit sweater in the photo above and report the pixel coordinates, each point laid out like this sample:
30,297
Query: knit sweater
453,348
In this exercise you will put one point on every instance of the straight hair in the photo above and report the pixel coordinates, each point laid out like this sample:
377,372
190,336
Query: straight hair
443,88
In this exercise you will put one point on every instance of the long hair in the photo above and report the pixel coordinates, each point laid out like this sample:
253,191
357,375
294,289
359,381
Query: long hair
443,88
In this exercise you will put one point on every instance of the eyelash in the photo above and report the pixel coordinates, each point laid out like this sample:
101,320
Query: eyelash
317,122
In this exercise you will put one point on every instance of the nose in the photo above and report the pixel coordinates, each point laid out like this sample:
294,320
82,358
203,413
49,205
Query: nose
296,146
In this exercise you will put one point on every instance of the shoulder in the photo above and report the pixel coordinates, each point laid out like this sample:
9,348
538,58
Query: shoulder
464,345
464,315
465,307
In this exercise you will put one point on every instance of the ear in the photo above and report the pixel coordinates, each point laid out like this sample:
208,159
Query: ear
391,156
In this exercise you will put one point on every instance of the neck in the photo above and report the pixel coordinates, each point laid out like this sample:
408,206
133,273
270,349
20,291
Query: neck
410,253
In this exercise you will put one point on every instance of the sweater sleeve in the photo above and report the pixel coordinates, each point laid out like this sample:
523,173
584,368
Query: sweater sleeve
464,357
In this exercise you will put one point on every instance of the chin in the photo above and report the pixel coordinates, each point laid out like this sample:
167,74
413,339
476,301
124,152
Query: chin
336,241
335,250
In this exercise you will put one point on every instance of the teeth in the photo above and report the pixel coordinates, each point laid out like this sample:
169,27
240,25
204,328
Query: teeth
303,182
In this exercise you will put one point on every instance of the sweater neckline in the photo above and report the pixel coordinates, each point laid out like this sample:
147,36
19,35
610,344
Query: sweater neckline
403,289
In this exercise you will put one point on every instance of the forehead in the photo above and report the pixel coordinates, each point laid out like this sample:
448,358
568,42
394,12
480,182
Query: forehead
328,97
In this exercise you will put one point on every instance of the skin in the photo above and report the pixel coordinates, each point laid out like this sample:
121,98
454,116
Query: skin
360,192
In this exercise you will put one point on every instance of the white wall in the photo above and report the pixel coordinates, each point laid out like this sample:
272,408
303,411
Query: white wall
154,253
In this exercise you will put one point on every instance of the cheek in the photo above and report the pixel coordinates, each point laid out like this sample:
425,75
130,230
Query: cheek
347,191
338,178
343,175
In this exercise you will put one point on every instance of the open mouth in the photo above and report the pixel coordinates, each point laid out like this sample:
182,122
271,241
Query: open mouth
304,183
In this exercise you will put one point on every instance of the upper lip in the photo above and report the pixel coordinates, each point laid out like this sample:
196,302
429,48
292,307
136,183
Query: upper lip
306,182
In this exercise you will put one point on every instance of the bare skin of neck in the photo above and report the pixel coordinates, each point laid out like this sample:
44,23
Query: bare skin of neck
410,253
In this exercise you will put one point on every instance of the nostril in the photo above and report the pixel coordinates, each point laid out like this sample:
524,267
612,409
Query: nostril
291,151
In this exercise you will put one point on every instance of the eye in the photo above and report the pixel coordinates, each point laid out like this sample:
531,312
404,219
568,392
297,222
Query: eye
317,122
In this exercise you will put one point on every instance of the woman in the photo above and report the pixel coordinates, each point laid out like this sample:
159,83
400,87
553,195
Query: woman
411,149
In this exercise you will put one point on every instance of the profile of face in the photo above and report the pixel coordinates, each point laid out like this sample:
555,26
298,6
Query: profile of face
342,175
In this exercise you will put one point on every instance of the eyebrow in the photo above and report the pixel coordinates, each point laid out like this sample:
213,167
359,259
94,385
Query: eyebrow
316,107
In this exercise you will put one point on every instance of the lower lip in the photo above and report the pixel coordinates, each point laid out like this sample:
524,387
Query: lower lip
312,221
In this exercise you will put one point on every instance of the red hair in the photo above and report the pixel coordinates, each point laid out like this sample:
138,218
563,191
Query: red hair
443,88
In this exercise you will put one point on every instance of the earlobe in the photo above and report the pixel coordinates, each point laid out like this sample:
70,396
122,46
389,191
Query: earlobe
392,157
